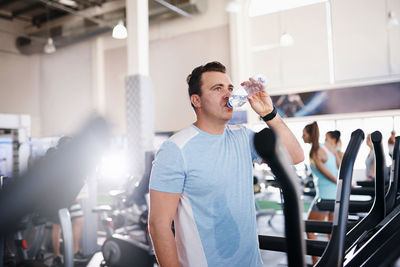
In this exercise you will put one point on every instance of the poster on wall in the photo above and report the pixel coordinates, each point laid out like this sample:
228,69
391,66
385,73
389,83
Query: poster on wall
338,101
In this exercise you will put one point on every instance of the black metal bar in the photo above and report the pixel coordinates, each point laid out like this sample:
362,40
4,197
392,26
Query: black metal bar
334,253
312,226
269,148
378,211
355,206
363,191
277,243
387,228
394,177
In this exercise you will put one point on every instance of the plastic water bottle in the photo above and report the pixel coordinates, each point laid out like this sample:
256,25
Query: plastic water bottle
236,100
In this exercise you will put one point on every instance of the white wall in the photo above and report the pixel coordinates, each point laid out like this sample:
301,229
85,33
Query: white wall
115,69
306,62
66,89
19,87
360,39
365,48
19,78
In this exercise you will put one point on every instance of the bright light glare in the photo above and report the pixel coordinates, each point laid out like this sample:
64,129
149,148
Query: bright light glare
49,48
68,3
286,40
119,31
262,7
233,7
114,165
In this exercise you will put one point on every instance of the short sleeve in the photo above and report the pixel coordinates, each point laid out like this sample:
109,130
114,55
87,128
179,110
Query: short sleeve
168,172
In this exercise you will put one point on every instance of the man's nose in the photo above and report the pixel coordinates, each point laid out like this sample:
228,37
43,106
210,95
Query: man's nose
227,92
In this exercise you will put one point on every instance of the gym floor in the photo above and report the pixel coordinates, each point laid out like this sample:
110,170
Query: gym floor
273,223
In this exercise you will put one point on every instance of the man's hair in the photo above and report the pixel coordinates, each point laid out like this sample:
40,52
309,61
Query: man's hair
194,78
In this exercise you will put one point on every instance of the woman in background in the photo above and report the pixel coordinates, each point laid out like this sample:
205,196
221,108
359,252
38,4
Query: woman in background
370,160
324,169
334,144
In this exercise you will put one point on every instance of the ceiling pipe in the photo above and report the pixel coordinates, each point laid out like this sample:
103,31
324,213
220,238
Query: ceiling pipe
74,12
174,8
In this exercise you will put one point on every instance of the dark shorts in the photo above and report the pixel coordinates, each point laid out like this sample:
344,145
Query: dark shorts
314,207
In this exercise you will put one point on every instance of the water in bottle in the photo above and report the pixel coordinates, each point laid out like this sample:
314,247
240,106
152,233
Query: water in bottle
236,100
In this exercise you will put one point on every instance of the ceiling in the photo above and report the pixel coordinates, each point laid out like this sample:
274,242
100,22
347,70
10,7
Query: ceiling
70,21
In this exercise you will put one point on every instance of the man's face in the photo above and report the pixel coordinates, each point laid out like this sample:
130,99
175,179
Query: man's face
215,91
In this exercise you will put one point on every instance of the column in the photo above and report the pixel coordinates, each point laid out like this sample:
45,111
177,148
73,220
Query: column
139,88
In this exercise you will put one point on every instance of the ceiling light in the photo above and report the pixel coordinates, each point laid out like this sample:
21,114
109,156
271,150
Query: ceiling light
233,7
286,40
49,48
393,21
119,31
68,3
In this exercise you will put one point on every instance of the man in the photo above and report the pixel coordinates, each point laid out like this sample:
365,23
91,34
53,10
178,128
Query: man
202,179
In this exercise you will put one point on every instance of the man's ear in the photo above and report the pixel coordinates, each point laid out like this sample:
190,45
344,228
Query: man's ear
195,99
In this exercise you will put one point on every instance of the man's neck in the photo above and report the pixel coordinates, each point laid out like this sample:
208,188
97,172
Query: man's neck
211,128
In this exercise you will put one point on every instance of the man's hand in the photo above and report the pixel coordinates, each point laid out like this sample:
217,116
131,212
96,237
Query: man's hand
260,102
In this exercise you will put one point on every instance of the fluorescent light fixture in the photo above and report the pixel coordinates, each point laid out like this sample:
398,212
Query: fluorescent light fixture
393,21
49,48
233,6
286,40
119,31
262,7
70,3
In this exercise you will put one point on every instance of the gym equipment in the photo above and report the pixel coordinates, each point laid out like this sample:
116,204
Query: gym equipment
130,245
269,148
378,210
63,174
122,251
334,251
382,248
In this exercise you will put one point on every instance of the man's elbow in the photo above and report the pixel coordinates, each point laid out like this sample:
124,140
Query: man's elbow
157,225
298,156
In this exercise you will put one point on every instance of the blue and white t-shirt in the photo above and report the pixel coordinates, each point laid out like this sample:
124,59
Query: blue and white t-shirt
215,222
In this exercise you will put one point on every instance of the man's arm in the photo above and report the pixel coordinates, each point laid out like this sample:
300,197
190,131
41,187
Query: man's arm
262,104
163,208
287,138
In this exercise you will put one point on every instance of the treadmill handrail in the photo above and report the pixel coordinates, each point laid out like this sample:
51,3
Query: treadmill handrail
278,243
378,211
334,252
354,205
323,227
270,149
